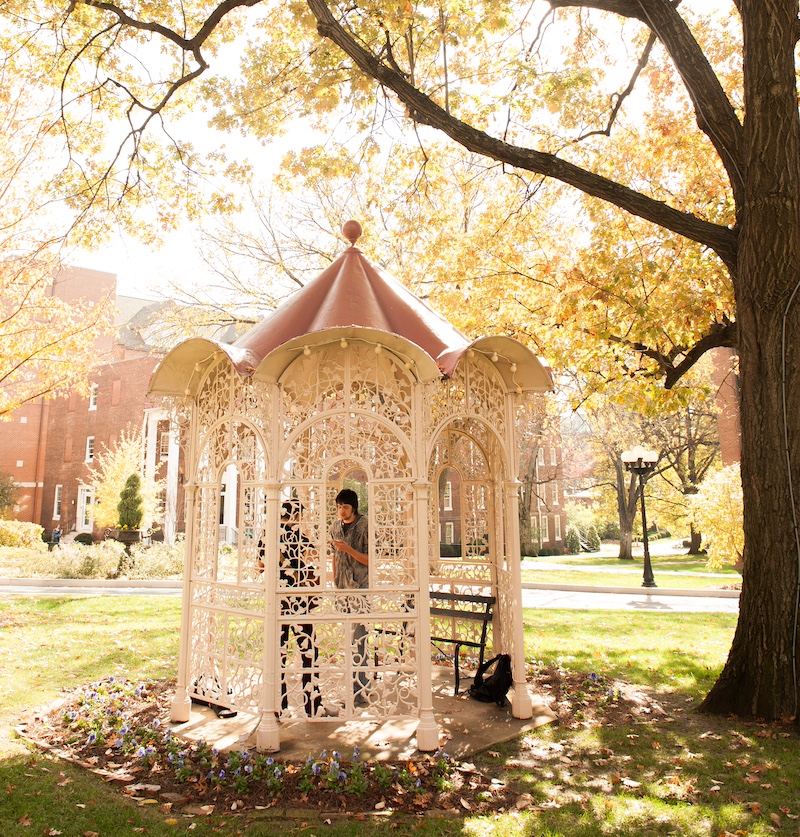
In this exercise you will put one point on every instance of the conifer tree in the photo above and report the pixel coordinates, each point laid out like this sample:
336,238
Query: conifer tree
131,507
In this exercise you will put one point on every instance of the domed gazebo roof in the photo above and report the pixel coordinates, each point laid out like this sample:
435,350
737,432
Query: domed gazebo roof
352,298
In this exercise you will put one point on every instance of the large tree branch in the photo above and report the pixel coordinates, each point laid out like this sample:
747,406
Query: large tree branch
421,108
716,117
187,44
722,334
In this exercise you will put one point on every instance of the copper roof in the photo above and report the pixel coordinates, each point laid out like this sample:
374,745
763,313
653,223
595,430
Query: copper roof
353,294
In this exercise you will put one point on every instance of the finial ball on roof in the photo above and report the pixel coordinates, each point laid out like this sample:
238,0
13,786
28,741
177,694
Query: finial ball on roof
351,230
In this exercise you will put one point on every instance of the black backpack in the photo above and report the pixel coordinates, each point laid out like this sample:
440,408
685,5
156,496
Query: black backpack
493,687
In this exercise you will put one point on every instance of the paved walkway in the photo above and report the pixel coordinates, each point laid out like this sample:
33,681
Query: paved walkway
568,597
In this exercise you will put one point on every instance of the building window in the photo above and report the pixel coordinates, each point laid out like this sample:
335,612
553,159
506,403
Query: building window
20,463
553,457
57,504
163,445
545,529
557,527
23,419
448,496
540,456
555,493
90,448
449,532
93,396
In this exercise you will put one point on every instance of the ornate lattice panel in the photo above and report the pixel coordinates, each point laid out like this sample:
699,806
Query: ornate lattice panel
505,615
475,390
215,395
486,393
351,652
226,657
444,399
394,535
331,379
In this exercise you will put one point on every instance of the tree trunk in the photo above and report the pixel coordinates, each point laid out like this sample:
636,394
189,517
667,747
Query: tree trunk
625,544
626,508
759,677
526,542
695,541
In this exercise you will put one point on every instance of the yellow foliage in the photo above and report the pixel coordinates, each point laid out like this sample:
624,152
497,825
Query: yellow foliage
110,469
717,511
20,534
48,343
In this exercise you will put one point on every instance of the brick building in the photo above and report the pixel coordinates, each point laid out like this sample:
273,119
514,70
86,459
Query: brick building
548,513
726,379
49,446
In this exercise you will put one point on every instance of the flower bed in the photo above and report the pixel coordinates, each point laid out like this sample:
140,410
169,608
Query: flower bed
118,729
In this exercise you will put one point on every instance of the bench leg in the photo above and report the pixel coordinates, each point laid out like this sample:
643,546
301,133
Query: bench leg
456,657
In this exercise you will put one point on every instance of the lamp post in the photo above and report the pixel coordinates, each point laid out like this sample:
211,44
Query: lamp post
642,463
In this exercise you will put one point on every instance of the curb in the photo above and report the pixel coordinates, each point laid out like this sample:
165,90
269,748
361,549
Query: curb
112,583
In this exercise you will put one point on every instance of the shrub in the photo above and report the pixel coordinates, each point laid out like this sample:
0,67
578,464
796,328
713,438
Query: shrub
84,538
20,562
17,533
74,560
9,494
572,541
593,539
159,560
131,506
609,531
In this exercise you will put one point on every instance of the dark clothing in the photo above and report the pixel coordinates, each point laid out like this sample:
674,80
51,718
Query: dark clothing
295,571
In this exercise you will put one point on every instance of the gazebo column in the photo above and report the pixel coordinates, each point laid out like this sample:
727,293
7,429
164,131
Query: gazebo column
182,703
268,736
427,728
521,703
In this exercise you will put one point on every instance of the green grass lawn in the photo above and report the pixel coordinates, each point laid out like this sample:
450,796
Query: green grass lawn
662,773
674,561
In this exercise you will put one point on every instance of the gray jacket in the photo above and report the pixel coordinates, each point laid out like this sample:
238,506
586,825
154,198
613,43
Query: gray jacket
349,574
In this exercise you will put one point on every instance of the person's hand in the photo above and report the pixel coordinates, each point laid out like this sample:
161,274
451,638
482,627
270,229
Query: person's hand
340,546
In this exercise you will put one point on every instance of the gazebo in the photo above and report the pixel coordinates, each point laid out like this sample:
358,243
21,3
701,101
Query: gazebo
351,382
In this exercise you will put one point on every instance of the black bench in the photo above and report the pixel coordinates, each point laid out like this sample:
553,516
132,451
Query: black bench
462,606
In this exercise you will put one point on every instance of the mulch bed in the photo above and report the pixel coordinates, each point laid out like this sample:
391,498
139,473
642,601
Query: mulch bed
118,730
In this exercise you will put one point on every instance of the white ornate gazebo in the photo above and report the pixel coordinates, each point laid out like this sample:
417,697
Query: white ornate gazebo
352,381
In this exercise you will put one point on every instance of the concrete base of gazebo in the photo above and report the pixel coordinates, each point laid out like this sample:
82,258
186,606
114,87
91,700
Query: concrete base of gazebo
466,727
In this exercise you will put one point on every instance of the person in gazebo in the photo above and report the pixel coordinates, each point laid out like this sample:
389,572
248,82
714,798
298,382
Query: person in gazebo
350,536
